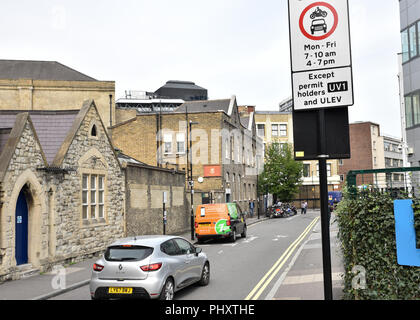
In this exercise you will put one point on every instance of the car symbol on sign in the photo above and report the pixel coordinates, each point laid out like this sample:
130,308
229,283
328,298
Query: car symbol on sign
318,25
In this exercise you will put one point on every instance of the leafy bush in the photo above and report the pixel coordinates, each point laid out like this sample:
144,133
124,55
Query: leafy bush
416,207
367,234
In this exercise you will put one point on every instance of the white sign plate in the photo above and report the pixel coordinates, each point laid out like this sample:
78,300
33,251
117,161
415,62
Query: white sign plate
319,34
322,89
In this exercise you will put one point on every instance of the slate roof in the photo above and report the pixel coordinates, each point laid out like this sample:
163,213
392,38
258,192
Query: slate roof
40,70
51,127
244,121
4,136
205,106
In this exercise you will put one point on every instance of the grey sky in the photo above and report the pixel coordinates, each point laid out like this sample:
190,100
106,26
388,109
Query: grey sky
230,47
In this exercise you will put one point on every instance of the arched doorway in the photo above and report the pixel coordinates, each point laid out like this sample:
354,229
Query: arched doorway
21,225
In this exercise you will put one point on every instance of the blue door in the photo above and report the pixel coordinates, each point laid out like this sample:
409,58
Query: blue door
21,246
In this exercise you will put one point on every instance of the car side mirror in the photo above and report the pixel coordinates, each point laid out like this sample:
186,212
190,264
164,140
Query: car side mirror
198,250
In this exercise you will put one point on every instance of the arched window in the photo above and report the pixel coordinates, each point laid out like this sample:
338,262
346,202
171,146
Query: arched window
93,131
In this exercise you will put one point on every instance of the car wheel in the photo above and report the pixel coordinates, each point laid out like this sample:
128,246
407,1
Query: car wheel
205,275
243,234
167,290
233,236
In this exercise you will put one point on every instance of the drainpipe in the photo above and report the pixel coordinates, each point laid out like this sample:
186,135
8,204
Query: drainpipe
110,110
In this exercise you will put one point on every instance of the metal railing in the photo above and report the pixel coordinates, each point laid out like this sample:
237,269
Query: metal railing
396,181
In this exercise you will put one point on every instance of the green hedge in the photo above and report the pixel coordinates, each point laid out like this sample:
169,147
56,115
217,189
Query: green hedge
416,207
367,235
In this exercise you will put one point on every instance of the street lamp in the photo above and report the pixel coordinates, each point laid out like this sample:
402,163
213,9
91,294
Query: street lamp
190,179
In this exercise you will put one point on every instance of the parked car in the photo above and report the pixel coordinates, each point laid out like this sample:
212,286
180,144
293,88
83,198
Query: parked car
318,25
222,220
152,267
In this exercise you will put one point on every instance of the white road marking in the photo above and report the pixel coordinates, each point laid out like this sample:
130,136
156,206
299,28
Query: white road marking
310,278
230,244
249,239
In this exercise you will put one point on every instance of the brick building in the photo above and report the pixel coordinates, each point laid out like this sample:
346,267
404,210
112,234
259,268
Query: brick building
367,152
277,126
224,147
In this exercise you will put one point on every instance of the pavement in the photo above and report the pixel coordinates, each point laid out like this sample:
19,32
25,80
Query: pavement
302,279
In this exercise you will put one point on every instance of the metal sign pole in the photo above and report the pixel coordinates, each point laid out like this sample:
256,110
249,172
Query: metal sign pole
325,218
164,212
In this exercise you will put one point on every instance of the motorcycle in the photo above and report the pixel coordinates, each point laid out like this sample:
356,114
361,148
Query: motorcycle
282,211
318,13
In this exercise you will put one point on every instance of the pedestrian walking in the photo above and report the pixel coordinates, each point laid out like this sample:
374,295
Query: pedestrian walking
251,208
303,206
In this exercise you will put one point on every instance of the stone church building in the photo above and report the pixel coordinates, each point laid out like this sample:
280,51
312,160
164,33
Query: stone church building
62,188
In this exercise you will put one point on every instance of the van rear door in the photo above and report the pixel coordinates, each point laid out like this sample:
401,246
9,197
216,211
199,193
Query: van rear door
207,216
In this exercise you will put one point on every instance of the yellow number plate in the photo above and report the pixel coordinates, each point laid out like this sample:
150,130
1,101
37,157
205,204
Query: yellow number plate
120,290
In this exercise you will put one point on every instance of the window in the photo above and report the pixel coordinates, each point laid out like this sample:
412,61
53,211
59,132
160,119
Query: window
274,130
341,177
167,140
93,131
374,131
283,130
306,170
85,191
279,130
412,110
169,248
180,143
416,109
261,130
412,33
410,42
93,196
127,253
101,197
408,112
239,187
328,170
184,246
405,46
227,150
232,156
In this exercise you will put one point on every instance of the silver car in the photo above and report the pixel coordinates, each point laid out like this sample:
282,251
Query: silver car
148,267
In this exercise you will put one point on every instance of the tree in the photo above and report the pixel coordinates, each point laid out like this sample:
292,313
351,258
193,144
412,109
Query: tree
282,175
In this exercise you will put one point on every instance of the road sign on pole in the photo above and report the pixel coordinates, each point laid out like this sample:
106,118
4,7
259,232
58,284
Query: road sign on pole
320,54
322,80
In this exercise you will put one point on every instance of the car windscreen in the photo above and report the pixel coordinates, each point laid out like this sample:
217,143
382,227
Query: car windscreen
127,253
